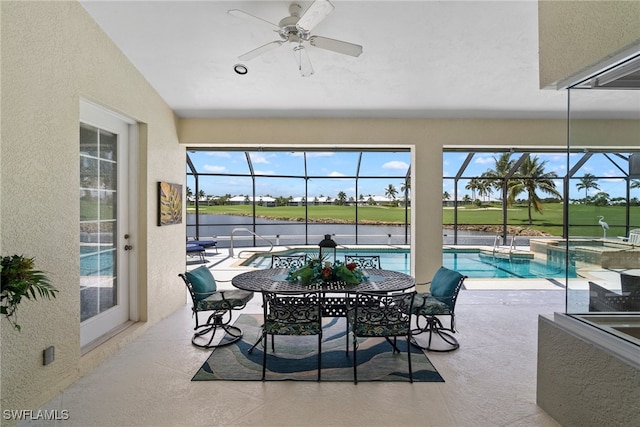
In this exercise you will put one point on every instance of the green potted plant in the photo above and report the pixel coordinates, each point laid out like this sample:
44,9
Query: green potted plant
20,280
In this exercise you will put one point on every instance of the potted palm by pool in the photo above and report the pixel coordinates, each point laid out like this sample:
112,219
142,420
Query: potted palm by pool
20,280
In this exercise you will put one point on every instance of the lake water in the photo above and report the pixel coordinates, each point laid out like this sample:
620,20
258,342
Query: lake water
293,233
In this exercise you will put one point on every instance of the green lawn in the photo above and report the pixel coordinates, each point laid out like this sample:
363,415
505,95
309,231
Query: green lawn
584,218
373,214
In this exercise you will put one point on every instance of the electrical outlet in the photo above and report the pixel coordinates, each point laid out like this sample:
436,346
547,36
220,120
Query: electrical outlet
48,355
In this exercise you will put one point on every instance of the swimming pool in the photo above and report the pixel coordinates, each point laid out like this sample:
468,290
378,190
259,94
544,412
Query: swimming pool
472,263
478,265
390,259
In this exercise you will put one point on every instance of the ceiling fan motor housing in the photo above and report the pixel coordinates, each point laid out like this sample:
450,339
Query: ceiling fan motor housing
289,31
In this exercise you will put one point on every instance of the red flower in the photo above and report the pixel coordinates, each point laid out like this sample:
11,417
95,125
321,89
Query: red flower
351,266
326,272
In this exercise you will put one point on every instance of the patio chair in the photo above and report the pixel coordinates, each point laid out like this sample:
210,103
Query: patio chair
603,299
439,301
288,313
379,315
205,297
288,261
364,261
634,237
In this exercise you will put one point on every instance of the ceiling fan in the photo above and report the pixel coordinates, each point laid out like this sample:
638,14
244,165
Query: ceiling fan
296,29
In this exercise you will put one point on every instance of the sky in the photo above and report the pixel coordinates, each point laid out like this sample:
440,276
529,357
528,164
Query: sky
329,172
609,171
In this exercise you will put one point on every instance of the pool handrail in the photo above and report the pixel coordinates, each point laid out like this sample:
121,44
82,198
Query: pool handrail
233,232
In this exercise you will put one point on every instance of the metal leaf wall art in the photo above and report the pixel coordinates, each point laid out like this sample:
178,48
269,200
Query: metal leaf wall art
169,203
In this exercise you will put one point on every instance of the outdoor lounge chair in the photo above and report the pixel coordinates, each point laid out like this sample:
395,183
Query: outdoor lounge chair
206,297
439,301
206,244
633,237
196,250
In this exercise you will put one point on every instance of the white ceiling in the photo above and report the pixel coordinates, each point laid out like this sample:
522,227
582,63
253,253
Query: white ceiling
420,59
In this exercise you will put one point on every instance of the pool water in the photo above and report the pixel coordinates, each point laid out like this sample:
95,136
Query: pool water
96,262
390,259
484,266
473,264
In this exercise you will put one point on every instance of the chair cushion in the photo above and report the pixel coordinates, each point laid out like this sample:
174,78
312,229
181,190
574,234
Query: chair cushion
225,300
202,282
426,305
443,285
365,327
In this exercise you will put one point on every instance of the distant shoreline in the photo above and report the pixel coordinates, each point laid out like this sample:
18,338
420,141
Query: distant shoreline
490,229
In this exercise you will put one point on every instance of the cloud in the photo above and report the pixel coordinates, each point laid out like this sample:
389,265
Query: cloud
214,168
224,154
336,174
257,172
395,164
484,160
259,158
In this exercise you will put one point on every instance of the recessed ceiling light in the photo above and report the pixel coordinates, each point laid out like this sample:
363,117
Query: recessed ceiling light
240,69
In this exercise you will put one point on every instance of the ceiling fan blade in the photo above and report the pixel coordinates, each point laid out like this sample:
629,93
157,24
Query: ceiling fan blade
302,58
260,50
311,17
248,17
339,46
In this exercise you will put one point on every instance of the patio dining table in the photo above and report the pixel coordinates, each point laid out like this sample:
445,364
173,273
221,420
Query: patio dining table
275,280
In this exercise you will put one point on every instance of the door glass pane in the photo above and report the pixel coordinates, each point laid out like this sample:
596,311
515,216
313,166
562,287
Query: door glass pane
108,145
108,177
98,220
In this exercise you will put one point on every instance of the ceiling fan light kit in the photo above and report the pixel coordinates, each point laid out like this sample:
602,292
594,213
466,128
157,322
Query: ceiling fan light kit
296,28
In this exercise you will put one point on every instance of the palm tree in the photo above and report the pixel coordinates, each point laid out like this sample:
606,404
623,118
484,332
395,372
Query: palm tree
473,185
342,198
635,184
497,178
405,187
587,182
446,195
484,188
391,192
532,177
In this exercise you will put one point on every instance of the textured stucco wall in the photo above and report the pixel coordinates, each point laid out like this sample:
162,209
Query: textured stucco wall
53,54
579,384
577,35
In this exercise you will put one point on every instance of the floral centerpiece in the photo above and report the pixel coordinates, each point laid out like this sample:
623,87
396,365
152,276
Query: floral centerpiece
317,271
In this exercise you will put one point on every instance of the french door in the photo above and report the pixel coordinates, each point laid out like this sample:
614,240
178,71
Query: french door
105,243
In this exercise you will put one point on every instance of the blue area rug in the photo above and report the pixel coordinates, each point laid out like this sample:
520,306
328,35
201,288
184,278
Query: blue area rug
296,358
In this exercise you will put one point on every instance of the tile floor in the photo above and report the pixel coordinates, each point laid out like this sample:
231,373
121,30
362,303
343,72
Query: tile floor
489,381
